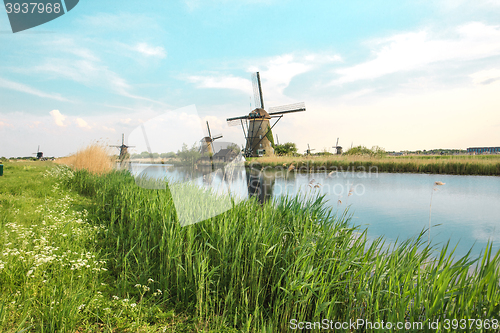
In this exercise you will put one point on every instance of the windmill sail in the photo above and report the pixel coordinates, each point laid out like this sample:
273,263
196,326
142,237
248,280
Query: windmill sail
257,91
208,128
297,107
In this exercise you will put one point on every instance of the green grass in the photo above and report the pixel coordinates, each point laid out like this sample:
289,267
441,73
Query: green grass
53,265
253,268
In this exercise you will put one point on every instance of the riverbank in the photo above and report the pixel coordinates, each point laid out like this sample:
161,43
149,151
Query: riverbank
261,268
487,165
54,262
96,253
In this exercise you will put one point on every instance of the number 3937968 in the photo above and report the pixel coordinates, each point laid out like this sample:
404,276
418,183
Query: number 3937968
25,15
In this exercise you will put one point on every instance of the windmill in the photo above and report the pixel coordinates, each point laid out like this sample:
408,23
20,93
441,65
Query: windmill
207,142
309,150
338,148
39,154
123,149
256,125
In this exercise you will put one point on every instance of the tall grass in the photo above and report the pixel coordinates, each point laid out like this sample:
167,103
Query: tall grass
258,267
95,158
454,165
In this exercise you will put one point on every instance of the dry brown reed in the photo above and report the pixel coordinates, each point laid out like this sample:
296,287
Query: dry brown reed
94,158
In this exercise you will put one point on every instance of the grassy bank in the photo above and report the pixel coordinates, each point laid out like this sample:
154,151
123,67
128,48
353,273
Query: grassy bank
124,264
256,268
488,165
49,266
54,262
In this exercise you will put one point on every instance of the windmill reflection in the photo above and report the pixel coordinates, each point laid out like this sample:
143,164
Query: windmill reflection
260,184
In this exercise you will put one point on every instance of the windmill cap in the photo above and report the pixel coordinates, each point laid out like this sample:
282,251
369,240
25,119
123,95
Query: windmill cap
260,113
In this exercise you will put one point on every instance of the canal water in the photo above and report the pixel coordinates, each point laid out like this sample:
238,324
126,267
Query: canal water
465,210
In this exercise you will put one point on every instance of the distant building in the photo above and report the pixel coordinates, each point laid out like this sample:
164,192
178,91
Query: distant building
483,150
225,155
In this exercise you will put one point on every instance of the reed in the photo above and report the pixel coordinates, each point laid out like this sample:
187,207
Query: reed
454,165
94,158
258,267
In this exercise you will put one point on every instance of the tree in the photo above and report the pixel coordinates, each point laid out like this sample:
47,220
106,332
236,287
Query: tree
168,155
234,147
144,154
269,136
189,155
362,150
288,148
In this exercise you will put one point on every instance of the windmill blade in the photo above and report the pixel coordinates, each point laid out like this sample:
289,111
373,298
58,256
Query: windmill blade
147,142
234,122
257,91
297,107
218,136
208,128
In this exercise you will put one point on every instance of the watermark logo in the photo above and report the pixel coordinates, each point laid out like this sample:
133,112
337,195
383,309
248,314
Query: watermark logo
207,175
24,14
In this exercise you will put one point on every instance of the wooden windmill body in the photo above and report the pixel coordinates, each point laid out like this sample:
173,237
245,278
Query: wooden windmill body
257,124
207,146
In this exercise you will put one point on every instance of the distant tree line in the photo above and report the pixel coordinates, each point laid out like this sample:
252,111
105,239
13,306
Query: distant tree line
146,154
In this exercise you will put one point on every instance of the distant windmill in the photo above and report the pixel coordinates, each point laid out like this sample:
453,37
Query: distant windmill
123,149
338,148
309,150
256,126
207,142
39,154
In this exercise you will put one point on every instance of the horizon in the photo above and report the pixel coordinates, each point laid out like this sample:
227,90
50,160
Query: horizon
402,76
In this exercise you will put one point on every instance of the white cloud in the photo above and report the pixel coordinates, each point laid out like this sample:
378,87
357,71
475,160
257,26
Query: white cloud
29,90
34,124
150,51
82,123
87,69
58,118
108,129
276,73
222,82
4,124
415,50
486,76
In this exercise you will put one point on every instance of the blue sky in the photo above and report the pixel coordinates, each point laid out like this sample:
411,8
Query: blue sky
400,75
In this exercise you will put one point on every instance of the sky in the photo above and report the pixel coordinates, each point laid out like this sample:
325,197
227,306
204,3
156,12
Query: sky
402,75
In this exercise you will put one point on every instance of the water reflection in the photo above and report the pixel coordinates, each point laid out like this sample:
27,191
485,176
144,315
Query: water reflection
396,206
260,184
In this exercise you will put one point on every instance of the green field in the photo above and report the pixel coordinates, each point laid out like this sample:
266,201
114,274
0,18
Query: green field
88,253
